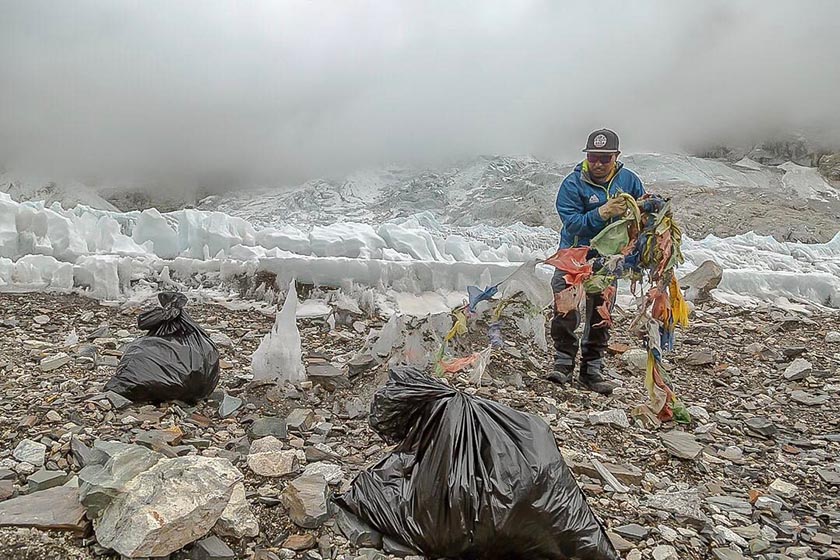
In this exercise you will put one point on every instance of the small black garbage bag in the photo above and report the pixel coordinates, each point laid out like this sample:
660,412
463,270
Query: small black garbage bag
175,361
470,478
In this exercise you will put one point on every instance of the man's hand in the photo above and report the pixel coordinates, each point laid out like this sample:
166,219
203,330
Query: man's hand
613,208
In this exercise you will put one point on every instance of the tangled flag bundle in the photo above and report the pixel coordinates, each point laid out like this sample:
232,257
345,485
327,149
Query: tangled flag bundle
643,247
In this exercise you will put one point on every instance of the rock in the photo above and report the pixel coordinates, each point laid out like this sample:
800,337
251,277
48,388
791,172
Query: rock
173,503
700,282
229,405
665,552
634,554
727,554
627,474
355,408
613,417
43,479
237,520
118,401
681,444
54,362
7,474
700,358
212,548
728,535
359,533
807,399
300,542
307,500
25,468
620,544
332,473
632,531
636,358
699,413
759,545
761,425
797,370
731,504
81,452
327,376
783,489
360,364
769,503
829,477
320,452
41,319
267,458
7,489
667,533
31,452
54,509
683,503
833,337
300,420
268,426
53,416
221,339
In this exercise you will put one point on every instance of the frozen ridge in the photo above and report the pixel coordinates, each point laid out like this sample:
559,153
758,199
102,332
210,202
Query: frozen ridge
111,255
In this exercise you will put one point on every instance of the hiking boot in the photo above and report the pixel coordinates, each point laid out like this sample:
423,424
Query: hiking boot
591,379
561,375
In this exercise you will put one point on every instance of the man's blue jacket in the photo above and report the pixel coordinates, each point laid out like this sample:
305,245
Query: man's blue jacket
579,198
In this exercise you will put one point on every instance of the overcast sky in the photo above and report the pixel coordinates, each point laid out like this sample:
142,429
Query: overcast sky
280,91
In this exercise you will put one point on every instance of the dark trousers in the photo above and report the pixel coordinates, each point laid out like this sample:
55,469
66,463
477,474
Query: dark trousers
563,326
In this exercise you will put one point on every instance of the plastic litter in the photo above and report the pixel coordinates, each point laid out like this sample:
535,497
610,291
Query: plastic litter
471,478
279,355
176,360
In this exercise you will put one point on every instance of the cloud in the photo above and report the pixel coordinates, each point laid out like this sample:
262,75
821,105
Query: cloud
273,92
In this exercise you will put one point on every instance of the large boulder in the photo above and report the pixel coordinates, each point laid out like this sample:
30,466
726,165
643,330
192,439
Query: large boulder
701,281
143,504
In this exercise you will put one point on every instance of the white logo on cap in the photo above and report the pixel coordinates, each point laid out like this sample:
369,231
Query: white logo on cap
600,141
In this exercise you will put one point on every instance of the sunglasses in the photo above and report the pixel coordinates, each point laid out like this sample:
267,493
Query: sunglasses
603,158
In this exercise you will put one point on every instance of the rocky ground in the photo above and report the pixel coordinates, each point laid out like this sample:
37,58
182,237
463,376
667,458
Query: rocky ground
755,475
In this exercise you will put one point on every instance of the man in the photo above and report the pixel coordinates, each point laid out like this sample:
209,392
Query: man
587,201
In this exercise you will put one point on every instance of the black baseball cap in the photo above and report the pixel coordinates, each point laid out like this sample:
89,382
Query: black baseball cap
603,140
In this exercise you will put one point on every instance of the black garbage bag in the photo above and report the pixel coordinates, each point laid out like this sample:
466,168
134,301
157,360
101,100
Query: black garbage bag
176,360
470,478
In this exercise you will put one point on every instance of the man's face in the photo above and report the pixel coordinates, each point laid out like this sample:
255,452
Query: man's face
600,164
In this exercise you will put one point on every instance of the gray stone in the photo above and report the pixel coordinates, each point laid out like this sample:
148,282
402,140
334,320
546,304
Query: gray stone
769,503
171,504
331,472
327,376
758,546
613,417
307,500
237,520
728,535
212,548
7,489
829,166
731,504
51,363
267,458
683,503
700,358
665,552
632,531
620,543
360,364
43,479
300,420
221,339
727,554
701,281
833,337
7,474
807,399
829,476
761,426
100,483
268,426
31,452
118,401
57,508
81,452
681,444
229,406
355,408
798,369
783,488
359,533
320,452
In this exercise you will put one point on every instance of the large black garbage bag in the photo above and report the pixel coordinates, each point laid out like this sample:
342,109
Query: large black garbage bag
471,478
175,361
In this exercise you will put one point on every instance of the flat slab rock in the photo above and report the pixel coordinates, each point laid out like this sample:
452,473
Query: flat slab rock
54,509
681,444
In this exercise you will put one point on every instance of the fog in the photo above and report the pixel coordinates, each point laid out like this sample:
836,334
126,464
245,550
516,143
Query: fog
275,92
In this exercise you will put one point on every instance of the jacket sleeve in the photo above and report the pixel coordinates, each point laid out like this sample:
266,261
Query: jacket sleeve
576,220
638,189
